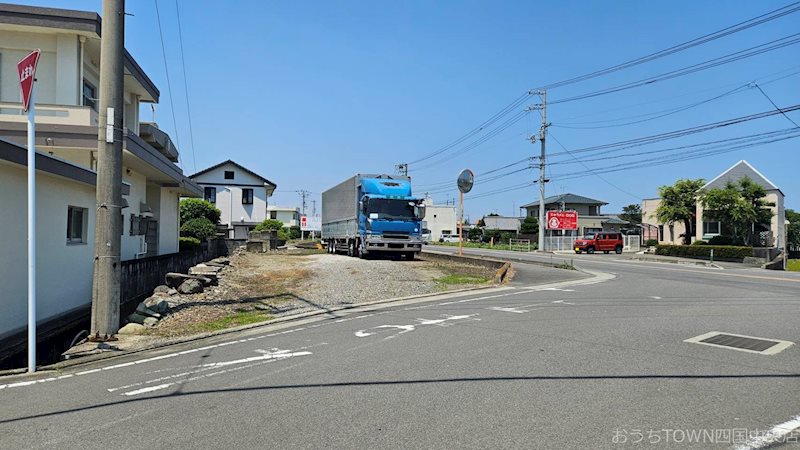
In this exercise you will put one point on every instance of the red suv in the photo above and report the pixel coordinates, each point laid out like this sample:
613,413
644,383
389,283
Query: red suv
604,242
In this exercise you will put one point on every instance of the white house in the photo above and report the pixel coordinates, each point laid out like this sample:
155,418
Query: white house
286,214
66,142
239,193
440,219
771,234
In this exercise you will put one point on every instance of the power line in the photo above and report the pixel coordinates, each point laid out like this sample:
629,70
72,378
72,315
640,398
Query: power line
185,85
722,60
719,142
592,171
758,20
658,114
169,85
621,145
776,106
488,122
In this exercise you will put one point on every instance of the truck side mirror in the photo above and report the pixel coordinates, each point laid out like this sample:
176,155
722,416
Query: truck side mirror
362,205
419,211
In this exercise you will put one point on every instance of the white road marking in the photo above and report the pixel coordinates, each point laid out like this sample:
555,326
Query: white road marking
267,356
509,309
655,297
774,435
408,328
555,289
562,302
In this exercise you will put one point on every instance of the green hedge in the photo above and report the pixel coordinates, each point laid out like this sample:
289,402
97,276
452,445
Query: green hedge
188,243
721,252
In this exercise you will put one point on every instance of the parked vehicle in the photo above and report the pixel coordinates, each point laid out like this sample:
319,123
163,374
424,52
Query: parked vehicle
449,238
601,242
426,236
372,214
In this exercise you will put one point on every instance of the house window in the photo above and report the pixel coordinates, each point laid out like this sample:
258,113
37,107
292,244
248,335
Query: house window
661,233
89,95
447,232
711,227
228,174
210,194
273,215
247,196
76,225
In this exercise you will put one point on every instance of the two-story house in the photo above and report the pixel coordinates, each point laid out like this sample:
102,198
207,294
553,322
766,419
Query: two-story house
290,216
239,193
590,218
66,142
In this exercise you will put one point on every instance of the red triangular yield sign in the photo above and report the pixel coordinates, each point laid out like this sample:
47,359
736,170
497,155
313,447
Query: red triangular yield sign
27,72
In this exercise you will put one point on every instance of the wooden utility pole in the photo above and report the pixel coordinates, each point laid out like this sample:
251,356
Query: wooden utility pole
108,220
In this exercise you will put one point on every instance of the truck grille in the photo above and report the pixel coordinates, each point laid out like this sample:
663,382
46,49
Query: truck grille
395,235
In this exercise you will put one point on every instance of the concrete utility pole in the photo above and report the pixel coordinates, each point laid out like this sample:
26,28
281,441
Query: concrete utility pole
402,169
303,195
108,221
542,180
313,208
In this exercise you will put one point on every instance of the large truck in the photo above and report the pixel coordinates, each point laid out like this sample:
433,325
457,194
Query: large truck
372,215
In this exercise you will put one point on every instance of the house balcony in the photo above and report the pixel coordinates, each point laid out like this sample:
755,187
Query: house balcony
50,114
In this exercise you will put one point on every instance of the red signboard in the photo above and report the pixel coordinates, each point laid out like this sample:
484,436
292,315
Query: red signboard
562,220
27,71
303,221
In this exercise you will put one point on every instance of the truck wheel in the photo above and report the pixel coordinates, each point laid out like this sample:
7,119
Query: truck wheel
350,248
618,250
577,252
605,251
410,256
590,250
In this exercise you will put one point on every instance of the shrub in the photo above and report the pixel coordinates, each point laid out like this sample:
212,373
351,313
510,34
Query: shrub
505,236
721,252
294,232
651,242
188,243
200,228
698,242
269,225
724,240
194,208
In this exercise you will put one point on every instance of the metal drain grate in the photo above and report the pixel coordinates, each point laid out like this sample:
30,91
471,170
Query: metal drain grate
746,343
742,343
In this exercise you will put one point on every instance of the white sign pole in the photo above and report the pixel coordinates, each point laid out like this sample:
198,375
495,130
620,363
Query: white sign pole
32,232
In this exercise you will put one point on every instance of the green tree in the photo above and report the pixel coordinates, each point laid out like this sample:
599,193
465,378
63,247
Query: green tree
269,225
530,225
793,232
739,207
474,234
199,228
195,208
679,204
632,213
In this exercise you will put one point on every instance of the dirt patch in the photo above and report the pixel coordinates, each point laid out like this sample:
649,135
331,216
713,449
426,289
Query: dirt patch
259,287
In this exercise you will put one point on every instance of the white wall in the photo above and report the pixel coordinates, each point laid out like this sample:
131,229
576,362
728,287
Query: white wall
64,272
168,228
14,45
229,194
440,218
131,245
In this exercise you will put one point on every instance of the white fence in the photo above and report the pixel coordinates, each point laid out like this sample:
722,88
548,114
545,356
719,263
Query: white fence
519,245
564,243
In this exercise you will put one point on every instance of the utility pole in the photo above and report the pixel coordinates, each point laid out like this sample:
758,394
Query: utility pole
303,195
542,180
402,169
313,208
108,220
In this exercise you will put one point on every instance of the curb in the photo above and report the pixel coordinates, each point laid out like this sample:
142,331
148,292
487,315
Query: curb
290,318
684,262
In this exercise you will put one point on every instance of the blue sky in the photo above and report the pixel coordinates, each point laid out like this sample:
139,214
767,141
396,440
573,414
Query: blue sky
309,93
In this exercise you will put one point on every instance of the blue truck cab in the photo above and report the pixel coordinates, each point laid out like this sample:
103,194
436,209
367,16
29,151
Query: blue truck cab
372,214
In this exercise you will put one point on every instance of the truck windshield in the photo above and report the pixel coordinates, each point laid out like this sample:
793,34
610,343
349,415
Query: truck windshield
391,209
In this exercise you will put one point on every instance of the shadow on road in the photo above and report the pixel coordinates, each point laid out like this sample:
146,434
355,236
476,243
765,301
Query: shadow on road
346,384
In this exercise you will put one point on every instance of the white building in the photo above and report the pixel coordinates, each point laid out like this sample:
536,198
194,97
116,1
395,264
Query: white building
66,140
288,215
239,193
440,219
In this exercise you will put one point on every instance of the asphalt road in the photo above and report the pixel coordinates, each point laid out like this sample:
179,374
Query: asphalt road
581,364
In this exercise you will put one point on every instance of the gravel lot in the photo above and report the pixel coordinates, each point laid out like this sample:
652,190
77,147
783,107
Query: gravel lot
265,286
